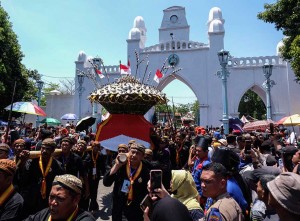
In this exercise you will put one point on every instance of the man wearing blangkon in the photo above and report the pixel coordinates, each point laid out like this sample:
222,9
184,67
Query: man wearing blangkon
130,184
63,201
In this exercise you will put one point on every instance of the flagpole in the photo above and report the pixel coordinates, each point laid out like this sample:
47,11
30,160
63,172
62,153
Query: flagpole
102,63
137,63
145,71
10,111
120,68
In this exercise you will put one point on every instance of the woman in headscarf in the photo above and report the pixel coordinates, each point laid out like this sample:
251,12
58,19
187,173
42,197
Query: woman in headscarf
183,188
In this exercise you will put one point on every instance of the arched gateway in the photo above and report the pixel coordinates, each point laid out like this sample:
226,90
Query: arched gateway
199,63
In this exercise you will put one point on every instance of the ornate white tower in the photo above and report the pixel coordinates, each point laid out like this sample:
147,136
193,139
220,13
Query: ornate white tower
174,25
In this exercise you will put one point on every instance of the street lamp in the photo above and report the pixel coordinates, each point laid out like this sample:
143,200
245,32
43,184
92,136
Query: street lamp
40,85
80,77
223,74
268,83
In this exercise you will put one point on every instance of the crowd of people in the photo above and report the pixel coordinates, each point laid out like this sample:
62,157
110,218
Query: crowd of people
53,174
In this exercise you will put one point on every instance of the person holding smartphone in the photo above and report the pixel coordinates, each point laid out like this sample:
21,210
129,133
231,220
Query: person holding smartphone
130,179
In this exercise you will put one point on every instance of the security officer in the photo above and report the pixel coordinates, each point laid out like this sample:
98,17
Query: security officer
213,183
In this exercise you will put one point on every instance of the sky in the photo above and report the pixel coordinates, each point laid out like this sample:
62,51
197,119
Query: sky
52,33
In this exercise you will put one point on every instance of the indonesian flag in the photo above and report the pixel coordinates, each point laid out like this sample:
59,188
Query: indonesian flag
99,73
125,69
158,75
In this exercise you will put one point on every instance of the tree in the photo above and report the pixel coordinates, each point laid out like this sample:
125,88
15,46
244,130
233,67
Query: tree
163,108
11,68
195,110
285,14
47,89
251,104
183,108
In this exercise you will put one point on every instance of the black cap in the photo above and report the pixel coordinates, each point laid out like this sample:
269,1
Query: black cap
288,150
203,142
231,138
227,157
271,160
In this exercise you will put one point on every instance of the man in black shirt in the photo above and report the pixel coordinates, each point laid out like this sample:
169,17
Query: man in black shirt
86,161
11,202
130,184
63,201
41,172
73,164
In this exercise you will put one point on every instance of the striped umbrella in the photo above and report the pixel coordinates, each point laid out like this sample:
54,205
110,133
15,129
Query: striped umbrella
26,108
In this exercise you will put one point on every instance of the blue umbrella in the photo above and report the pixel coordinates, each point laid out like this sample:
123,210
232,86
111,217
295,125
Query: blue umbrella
3,123
69,116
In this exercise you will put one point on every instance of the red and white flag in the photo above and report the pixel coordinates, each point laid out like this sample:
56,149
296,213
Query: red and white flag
99,73
158,75
125,69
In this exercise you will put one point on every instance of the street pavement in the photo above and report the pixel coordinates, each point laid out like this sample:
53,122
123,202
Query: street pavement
104,199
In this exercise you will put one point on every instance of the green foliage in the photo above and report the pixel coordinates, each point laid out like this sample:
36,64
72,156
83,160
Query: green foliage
251,104
163,108
285,14
11,68
183,109
46,90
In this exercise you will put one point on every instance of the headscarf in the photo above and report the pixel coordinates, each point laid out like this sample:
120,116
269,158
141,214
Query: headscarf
185,189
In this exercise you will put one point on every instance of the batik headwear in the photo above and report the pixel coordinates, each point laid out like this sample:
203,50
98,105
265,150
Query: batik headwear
68,139
8,166
49,142
139,147
19,141
4,147
149,152
123,146
131,142
69,182
82,142
285,188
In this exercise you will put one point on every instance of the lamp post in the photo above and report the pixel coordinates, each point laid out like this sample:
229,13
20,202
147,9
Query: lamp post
268,83
40,85
80,77
223,74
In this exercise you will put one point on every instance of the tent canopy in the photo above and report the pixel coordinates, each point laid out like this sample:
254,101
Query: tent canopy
130,126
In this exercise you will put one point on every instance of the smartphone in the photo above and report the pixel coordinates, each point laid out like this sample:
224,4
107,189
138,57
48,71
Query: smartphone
155,179
247,146
147,202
